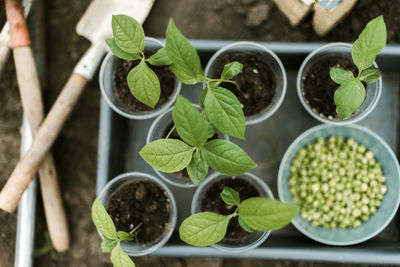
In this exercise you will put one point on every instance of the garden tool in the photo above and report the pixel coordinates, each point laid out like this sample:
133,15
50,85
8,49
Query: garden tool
30,91
95,25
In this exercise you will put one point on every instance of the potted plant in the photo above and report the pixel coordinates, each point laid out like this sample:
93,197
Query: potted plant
340,83
234,214
163,127
135,78
135,215
262,80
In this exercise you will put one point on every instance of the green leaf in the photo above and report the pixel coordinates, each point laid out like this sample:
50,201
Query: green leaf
189,122
186,62
264,214
160,58
167,155
102,220
370,75
120,259
349,97
245,226
125,236
226,157
197,168
370,42
107,245
210,128
225,112
230,196
202,98
144,84
128,34
339,75
120,53
231,70
204,229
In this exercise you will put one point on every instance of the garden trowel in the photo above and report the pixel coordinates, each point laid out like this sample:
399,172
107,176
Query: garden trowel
95,25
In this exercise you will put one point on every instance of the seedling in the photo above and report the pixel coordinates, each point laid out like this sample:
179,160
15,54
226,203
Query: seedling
128,43
112,239
351,92
254,214
195,153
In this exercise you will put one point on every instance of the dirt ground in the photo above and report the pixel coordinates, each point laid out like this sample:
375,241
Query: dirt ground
76,148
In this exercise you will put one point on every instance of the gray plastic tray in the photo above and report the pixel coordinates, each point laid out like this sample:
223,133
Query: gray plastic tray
120,140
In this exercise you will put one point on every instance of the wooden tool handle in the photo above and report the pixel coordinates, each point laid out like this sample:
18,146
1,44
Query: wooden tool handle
4,46
44,139
30,91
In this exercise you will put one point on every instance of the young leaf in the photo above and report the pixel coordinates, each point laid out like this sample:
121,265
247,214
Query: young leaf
124,236
167,155
197,168
103,221
349,97
231,70
226,157
120,53
245,226
144,84
224,111
128,34
204,229
339,75
189,122
202,98
186,62
370,42
264,214
119,258
160,58
230,196
107,245
370,75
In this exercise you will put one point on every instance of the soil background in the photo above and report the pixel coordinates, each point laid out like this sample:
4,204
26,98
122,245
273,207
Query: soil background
75,149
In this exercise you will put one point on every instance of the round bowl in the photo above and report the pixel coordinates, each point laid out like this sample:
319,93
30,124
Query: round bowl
390,166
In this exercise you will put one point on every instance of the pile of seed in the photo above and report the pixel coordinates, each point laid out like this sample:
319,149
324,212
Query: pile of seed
336,183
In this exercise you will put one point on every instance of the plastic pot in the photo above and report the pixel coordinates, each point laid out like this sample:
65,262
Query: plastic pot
390,166
126,178
107,87
157,129
271,59
373,91
252,240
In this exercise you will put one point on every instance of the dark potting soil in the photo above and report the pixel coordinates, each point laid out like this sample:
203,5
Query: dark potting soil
174,135
318,87
141,202
124,95
212,202
257,81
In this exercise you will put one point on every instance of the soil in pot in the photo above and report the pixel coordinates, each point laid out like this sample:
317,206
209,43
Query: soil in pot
141,202
174,135
122,93
212,202
257,81
318,87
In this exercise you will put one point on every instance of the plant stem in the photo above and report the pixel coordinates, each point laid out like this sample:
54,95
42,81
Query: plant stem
134,229
170,132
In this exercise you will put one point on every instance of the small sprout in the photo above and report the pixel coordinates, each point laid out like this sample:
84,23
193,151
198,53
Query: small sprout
254,214
112,239
351,92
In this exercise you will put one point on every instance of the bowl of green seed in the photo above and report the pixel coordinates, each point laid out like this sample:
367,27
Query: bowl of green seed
346,181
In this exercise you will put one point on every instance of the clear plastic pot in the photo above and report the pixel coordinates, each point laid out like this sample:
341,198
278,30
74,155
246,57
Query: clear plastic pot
126,178
107,87
157,129
269,58
254,239
343,50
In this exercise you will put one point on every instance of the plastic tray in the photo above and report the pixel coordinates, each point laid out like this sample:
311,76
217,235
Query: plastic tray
120,140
